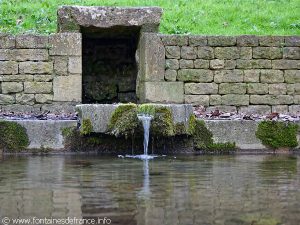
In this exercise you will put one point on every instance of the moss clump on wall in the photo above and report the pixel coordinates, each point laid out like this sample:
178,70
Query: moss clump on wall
162,124
180,128
276,135
124,121
13,136
148,109
203,138
86,127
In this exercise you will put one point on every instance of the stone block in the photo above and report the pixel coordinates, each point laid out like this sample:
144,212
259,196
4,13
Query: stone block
205,52
196,75
6,99
196,40
292,76
36,67
201,64
8,67
234,99
200,88
286,64
172,64
43,98
229,76
271,99
221,108
59,107
188,52
229,64
11,87
18,78
293,89
151,58
7,41
245,53
267,53
65,44
292,41
37,87
280,108
257,88
32,41
61,65
186,64
170,75
172,52
67,88
294,109
277,89
216,64
247,40
75,65
25,99
255,109
162,92
251,76
221,41
31,54
17,108
232,88
43,78
271,76
6,54
197,99
227,53
215,100
179,40
291,53
255,64
271,41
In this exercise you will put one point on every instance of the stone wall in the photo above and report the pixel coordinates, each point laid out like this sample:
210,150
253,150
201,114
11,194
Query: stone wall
244,73
40,73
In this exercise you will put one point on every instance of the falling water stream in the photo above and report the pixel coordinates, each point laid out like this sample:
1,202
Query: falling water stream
146,120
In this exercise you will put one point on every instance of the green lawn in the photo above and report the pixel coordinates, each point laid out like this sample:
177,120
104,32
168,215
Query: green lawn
229,17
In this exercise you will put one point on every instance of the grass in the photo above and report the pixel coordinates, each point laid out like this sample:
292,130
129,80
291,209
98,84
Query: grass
227,17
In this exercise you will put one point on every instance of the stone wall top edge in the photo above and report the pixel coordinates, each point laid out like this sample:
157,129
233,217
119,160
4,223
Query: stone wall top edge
234,36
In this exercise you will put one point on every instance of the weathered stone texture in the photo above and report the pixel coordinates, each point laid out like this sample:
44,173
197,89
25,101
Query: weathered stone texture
200,88
197,40
25,99
271,41
67,88
280,108
11,87
201,64
227,53
172,52
267,53
31,54
179,40
257,88
60,65
6,99
247,40
7,41
292,41
234,99
221,41
271,99
65,44
43,98
232,88
186,64
294,109
229,76
197,99
32,41
188,52
254,63
286,64
251,76
245,53
217,64
205,52
215,100
172,64
271,76
170,75
36,67
8,67
197,75
292,76
75,65
277,89
37,87
255,109
291,53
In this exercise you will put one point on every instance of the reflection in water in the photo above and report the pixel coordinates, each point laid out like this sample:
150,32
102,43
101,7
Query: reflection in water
186,190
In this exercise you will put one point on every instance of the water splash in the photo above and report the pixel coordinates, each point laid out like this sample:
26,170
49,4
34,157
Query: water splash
146,120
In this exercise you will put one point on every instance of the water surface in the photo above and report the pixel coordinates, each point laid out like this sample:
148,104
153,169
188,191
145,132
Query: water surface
231,190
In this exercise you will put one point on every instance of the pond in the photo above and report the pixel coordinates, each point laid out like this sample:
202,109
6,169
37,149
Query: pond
252,189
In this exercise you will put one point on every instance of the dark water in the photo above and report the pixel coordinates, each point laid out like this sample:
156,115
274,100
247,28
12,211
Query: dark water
258,190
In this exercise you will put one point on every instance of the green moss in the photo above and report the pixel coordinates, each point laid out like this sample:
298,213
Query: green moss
162,124
13,136
192,124
124,121
86,127
180,129
148,109
276,135
67,131
220,147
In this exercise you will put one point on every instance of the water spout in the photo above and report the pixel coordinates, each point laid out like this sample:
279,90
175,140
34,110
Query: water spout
146,120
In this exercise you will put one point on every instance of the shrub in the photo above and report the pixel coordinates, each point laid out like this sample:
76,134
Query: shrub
13,136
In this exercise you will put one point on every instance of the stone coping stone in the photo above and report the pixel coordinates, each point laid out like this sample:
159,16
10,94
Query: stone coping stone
71,18
45,134
100,114
242,132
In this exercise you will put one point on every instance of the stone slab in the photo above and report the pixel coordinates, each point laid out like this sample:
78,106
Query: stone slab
71,18
46,133
100,114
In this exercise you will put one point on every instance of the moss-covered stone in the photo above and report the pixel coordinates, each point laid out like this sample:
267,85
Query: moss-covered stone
180,129
86,127
276,134
162,124
148,109
13,137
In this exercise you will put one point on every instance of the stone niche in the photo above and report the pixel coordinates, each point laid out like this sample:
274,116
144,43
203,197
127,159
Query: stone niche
110,42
